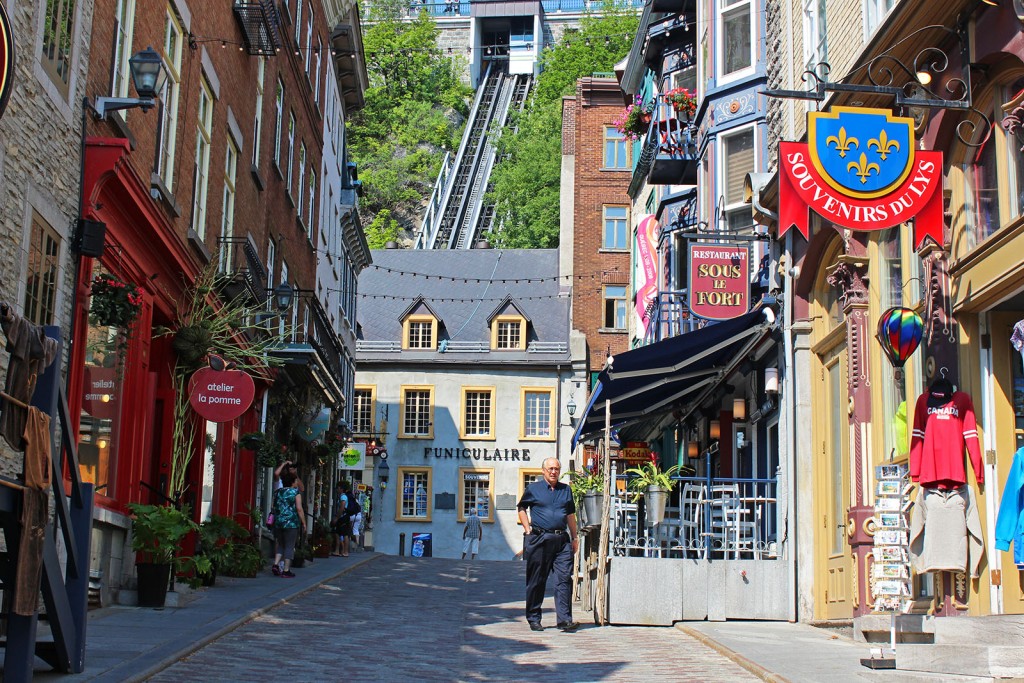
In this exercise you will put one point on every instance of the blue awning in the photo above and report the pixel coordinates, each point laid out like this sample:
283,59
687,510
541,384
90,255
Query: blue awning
650,380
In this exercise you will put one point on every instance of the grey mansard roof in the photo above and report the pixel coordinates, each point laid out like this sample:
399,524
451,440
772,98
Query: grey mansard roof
473,285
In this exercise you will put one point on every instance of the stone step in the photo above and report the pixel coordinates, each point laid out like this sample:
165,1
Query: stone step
999,629
910,628
999,661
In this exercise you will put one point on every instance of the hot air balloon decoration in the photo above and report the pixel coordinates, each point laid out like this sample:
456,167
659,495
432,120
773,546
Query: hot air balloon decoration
899,332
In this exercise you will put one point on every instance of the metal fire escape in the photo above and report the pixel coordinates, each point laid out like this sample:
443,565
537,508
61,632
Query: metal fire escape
456,214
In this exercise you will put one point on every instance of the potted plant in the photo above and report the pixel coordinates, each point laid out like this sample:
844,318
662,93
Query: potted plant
115,303
157,532
683,101
321,541
655,484
216,543
268,452
587,488
634,120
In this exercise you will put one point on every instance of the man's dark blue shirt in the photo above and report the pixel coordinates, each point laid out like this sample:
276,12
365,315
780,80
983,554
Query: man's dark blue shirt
548,507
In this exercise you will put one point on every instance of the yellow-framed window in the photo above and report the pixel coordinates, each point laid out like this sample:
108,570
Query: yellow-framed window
477,413
364,407
476,489
537,408
416,420
419,332
527,476
508,333
414,494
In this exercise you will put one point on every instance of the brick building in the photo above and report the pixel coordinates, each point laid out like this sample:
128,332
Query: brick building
596,166
227,168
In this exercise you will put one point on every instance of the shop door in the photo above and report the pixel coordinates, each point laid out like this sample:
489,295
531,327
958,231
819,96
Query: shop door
1009,384
834,489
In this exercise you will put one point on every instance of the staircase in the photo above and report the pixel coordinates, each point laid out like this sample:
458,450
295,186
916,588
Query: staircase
457,214
990,647
65,584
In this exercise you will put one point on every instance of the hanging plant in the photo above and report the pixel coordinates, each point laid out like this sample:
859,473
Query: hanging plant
634,120
683,101
115,303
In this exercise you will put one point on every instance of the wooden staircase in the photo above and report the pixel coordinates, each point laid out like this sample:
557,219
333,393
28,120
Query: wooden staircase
64,585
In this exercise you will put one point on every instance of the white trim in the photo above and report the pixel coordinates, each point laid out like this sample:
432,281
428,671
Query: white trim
235,130
211,74
726,6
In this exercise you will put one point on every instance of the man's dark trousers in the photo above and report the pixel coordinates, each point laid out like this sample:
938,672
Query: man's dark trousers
545,552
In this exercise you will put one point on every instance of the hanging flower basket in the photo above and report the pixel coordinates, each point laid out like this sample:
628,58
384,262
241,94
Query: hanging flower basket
634,120
115,303
683,101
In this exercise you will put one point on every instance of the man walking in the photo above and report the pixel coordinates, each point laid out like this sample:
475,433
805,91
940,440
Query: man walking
472,534
548,515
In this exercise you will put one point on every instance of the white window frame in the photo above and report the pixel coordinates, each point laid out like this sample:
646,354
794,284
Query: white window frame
301,175
204,138
624,299
625,226
486,415
612,135
722,167
310,212
291,151
815,25
404,433
725,8
278,121
257,124
309,41
875,12
166,154
227,221
298,24
124,30
319,68
552,428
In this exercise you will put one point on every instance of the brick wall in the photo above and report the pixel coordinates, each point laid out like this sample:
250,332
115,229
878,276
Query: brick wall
598,102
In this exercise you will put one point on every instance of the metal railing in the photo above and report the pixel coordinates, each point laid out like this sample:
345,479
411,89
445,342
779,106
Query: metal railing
671,317
320,335
461,8
241,269
709,518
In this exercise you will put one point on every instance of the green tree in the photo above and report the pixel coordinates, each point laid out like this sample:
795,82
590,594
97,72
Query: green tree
415,110
382,229
525,185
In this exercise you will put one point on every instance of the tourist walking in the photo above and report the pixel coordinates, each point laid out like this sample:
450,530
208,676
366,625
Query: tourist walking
548,516
289,523
472,534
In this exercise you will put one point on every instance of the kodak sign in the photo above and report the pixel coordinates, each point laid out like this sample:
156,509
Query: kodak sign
859,170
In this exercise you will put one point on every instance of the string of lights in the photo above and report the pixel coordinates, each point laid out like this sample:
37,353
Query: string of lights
504,281
446,299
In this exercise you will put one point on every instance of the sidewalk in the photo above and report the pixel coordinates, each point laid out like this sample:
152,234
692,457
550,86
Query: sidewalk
799,653
132,643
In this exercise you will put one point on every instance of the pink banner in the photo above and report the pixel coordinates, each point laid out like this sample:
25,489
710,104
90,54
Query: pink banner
647,262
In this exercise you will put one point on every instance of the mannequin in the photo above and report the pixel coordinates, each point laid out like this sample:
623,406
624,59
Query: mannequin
945,528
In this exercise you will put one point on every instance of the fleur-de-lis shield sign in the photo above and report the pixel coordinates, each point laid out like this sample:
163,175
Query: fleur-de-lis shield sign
863,153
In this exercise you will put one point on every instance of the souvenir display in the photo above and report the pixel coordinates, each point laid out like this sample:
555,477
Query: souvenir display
890,580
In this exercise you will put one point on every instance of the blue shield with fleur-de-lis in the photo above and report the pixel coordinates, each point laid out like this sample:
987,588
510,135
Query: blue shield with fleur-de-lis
863,153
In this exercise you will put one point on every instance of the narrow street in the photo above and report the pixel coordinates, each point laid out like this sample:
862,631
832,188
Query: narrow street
405,619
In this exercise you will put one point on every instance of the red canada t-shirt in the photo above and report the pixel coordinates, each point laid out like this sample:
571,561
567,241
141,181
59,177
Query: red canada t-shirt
943,425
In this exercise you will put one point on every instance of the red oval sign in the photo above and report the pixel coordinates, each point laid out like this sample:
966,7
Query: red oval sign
220,395
6,58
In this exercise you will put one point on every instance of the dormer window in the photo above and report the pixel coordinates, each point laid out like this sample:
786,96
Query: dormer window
420,332
419,327
508,333
509,326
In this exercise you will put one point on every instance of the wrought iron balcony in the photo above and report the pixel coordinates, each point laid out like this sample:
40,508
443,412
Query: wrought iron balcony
314,346
241,271
670,35
260,24
671,317
674,161
674,6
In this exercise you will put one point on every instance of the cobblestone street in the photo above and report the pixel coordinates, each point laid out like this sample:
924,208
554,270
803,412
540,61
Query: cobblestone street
404,619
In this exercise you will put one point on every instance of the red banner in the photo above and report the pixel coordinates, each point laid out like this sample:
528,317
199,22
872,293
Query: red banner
220,395
6,58
719,280
801,188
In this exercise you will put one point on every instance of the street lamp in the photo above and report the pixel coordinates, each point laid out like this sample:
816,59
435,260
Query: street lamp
148,75
570,407
383,472
283,295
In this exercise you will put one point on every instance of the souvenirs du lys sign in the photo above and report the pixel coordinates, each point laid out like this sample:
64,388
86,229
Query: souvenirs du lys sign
860,170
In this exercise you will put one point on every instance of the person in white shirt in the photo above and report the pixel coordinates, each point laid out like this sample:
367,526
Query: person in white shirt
472,534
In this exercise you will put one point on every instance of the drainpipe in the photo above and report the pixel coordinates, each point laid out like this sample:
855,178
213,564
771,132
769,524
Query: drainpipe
268,484
789,388
988,419
558,402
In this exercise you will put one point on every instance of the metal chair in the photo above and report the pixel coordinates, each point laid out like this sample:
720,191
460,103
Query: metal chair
691,503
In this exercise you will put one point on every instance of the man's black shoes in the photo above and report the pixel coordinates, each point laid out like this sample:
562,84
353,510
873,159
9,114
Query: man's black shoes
569,626
535,626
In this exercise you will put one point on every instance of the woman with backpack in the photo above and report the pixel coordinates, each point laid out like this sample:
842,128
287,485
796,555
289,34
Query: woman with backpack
289,521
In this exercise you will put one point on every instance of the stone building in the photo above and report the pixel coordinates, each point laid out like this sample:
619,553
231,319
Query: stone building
464,372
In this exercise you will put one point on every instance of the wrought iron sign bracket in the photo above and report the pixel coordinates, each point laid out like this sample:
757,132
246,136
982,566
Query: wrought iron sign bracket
724,237
911,86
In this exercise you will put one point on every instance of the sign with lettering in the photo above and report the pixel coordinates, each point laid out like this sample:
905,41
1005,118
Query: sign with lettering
506,454
719,280
6,58
860,170
353,457
636,451
100,399
646,269
220,395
